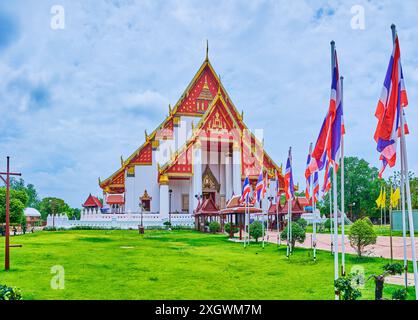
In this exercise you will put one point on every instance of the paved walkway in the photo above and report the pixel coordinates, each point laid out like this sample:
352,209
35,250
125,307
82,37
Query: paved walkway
380,249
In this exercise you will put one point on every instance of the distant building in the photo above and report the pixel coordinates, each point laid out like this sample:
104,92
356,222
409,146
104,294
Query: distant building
33,217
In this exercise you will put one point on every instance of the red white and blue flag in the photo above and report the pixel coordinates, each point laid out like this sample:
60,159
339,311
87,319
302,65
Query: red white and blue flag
265,186
288,178
388,112
308,178
328,143
259,187
327,179
277,188
246,191
315,188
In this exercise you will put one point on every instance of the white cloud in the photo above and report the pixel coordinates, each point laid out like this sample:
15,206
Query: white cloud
112,71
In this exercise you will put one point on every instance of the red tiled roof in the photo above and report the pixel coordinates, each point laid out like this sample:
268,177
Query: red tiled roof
235,206
92,201
207,207
115,199
296,207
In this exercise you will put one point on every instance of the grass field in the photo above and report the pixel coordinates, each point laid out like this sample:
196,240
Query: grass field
119,264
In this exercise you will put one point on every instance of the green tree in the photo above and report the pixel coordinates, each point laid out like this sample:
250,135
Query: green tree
227,228
18,201
30,190
256,230
362,235
51,205
302,222
298,234
361,186
327,224
214,226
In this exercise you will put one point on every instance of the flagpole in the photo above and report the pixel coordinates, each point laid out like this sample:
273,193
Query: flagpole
405,257
390,230
245,223
288,228
404,160
291,235
336,271
331,216
342,191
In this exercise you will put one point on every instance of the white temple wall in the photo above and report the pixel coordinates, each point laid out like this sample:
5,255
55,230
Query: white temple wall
179,188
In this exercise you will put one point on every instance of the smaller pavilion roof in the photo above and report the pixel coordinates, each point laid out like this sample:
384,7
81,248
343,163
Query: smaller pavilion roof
92,201
236,206
115,199
208,207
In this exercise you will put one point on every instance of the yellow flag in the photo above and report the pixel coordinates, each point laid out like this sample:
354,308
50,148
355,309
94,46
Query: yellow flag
383,201
379,199
394,198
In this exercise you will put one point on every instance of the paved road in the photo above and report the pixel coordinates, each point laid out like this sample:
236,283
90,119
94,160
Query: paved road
380,249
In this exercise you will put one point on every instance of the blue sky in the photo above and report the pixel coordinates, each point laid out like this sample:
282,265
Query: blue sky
73,101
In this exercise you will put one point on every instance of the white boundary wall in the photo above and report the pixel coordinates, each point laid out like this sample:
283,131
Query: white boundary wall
119,221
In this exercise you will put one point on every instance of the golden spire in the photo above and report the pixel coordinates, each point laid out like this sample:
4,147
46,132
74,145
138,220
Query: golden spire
207,50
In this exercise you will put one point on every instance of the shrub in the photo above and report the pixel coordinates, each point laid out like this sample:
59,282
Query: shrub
227,228
167,224
298,234
302,222
256,230
9,293
214,226
361,235
346,289
400,294
327,224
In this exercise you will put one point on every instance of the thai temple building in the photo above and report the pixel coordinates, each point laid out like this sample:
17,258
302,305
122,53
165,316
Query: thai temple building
201,150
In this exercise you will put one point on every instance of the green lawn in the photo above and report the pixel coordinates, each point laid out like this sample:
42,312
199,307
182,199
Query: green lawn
119,264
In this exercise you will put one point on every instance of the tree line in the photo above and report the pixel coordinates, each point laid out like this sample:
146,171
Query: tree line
24,195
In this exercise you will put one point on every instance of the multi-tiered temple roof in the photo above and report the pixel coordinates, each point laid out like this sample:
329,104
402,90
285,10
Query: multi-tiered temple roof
206,98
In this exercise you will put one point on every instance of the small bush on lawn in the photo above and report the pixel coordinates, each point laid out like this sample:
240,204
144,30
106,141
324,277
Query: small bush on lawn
362,235
346,289
9,293
256,230
400,294
298,234
214,226
227,228
327,224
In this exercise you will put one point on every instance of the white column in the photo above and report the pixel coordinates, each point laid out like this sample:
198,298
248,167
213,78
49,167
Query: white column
197,172
228,177
236,167
164,198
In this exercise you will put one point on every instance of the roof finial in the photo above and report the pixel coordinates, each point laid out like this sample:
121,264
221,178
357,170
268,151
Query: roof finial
121,161
207,49
169,109
219,85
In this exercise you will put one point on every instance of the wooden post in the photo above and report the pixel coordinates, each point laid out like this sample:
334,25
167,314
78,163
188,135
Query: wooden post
7,238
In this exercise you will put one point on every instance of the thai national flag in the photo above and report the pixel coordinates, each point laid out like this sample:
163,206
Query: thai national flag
288,178
277,188
315,188
327,179
259,187
336,114
308,175
391,103
329,139
265,186
246,191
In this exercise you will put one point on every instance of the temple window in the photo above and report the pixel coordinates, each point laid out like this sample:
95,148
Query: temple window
145,201
185,202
